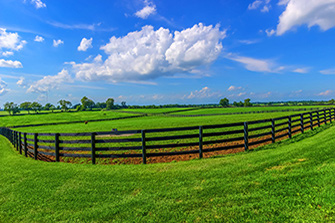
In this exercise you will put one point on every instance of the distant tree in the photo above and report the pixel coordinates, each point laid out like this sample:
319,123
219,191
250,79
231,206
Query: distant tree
35,106
64,105
101,105
52,108
87,103
247,103
47,106
25,106
332,101
11,108
110,103
224,102
123,104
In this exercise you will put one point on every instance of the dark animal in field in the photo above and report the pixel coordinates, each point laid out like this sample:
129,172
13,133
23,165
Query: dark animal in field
86,122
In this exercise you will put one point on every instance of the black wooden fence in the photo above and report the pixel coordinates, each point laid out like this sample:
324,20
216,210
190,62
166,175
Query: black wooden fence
167,141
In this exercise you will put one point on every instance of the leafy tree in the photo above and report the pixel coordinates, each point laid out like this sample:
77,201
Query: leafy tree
11,108
52,108
25,106
123,104
101,105
224,102
110,103
87,103
47,106
332,101
247,103
35,106
64,105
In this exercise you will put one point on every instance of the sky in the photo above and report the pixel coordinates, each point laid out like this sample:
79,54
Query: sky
165,52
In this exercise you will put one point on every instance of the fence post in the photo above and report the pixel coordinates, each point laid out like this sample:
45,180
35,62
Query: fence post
318,114
57,146
144,150
25,144
200,141
311,120
14,141
246,137
290,127
35,145
302,123
20,143
93,147
273,133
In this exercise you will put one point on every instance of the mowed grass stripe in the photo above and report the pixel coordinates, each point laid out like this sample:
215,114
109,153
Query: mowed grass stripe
287,182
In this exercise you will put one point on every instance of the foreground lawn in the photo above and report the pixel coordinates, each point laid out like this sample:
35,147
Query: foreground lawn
286,182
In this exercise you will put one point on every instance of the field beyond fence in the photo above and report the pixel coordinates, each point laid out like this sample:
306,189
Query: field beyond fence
155,145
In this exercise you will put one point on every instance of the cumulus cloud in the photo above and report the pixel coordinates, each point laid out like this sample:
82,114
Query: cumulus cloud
312,13
149,9
328,71
149,53
3,87
10,41
270,32
7,53
203,93
234,88
263,4
325,93
21,82
256,65
56,43
39,39
85,44
50,82
10,63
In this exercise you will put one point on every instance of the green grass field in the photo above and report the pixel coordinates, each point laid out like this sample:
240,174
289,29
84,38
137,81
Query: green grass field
43,118
292,181
152,122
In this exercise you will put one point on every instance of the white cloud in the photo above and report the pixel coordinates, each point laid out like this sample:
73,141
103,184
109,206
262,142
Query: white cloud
148,54
270,32
7,53
10,63
255,5
3,87
258,3
149,9
328,71
56,43
325,93
85,44
301,70
21,82
38,4
256,65
50,82
39,39
312,13
203,93
10,41
234,88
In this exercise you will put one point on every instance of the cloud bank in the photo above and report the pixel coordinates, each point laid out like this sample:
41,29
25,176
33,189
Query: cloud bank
149,54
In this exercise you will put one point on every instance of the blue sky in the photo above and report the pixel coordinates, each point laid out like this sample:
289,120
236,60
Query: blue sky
159,52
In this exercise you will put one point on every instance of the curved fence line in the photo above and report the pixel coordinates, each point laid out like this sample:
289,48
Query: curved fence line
153,143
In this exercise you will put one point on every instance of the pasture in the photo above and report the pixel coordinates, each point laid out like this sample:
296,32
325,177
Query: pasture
289,181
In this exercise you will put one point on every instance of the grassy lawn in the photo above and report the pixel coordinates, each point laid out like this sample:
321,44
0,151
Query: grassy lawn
60,117
291,181
152,122
247,109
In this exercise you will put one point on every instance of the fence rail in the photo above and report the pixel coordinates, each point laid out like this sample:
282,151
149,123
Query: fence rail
149,143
